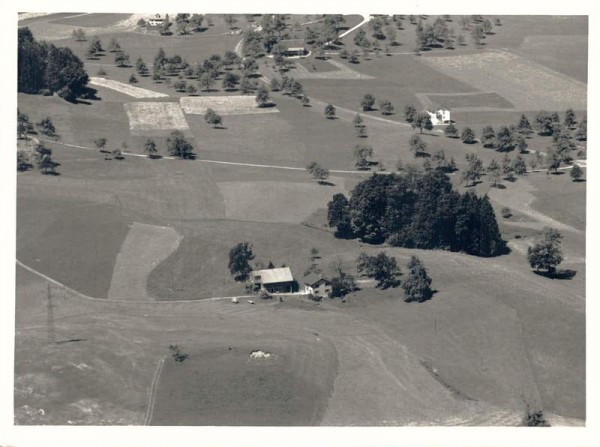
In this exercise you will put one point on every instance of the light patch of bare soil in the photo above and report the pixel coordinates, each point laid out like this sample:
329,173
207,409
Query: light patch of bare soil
121,87
223,105
526,84
143,249
155,116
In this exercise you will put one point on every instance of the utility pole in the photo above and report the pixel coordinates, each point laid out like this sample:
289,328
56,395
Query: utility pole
50,318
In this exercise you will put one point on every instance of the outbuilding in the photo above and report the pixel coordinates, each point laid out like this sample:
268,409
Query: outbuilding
317,286
293,47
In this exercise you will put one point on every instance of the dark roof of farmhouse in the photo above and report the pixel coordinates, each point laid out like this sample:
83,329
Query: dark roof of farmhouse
313,279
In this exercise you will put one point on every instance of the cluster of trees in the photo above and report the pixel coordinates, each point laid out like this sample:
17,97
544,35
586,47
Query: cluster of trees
325,33
260,41
26,127
288,86
42,158
385,270
47,69
417,120
233,72
435,35
420,210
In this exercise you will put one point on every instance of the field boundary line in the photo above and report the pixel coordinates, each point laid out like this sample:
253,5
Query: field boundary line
153,391
112,300
232,163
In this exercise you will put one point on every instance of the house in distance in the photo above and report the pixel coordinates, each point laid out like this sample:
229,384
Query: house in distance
440,116
278,280
317,286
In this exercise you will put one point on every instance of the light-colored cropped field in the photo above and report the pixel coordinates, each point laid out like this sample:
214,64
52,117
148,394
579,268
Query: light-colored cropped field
469,101
526,84
155,116
136,92
223,105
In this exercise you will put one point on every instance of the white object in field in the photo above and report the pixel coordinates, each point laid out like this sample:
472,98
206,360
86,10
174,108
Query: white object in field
234,300
250,301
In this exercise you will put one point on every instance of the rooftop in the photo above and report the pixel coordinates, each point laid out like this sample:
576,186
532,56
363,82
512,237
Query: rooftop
271,276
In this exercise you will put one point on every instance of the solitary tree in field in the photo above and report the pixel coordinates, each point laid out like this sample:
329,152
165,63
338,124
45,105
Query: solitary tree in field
417,285
519,166
330,111
467,136
422,121
544,123
78,35
140,67
133,79
451,131
417,145
46,127
367,102
318,172
100,143
206,81
493,171
362,153
178,146
546,254
521,143
213,118
114,45
47,165
150,148
230,80
507,169
357,120
239,260
386,107
576,172
474,169
24,126
361,131
570,118
524,127
121,59
504,139
488,136
305,101
262,96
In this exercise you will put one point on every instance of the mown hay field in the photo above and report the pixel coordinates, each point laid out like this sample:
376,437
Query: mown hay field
223,105
155,116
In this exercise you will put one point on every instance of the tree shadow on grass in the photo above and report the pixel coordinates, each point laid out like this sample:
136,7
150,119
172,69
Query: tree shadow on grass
499,186
579,180
558,274
155,157
326,183
557,173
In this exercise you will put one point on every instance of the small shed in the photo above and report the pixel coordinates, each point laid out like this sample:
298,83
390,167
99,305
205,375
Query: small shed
293,47
317,286
278,280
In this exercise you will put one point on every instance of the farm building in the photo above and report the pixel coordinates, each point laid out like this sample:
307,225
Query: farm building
293,47
157,20
440,116
279,280
317,286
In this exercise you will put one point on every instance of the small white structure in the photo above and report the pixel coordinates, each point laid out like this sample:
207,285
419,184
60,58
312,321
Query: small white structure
440,116
156,20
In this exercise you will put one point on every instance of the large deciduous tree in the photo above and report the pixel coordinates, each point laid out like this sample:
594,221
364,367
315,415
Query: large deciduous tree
546,254
239,260
417,284
178,146
422,121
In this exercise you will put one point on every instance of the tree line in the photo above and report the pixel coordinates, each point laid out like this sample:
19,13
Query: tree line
47,69
417,211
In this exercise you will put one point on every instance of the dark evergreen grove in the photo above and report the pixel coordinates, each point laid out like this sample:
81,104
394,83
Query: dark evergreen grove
417,211
45,68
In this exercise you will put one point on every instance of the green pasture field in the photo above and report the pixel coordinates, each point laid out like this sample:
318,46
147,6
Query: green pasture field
221,384
471,100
